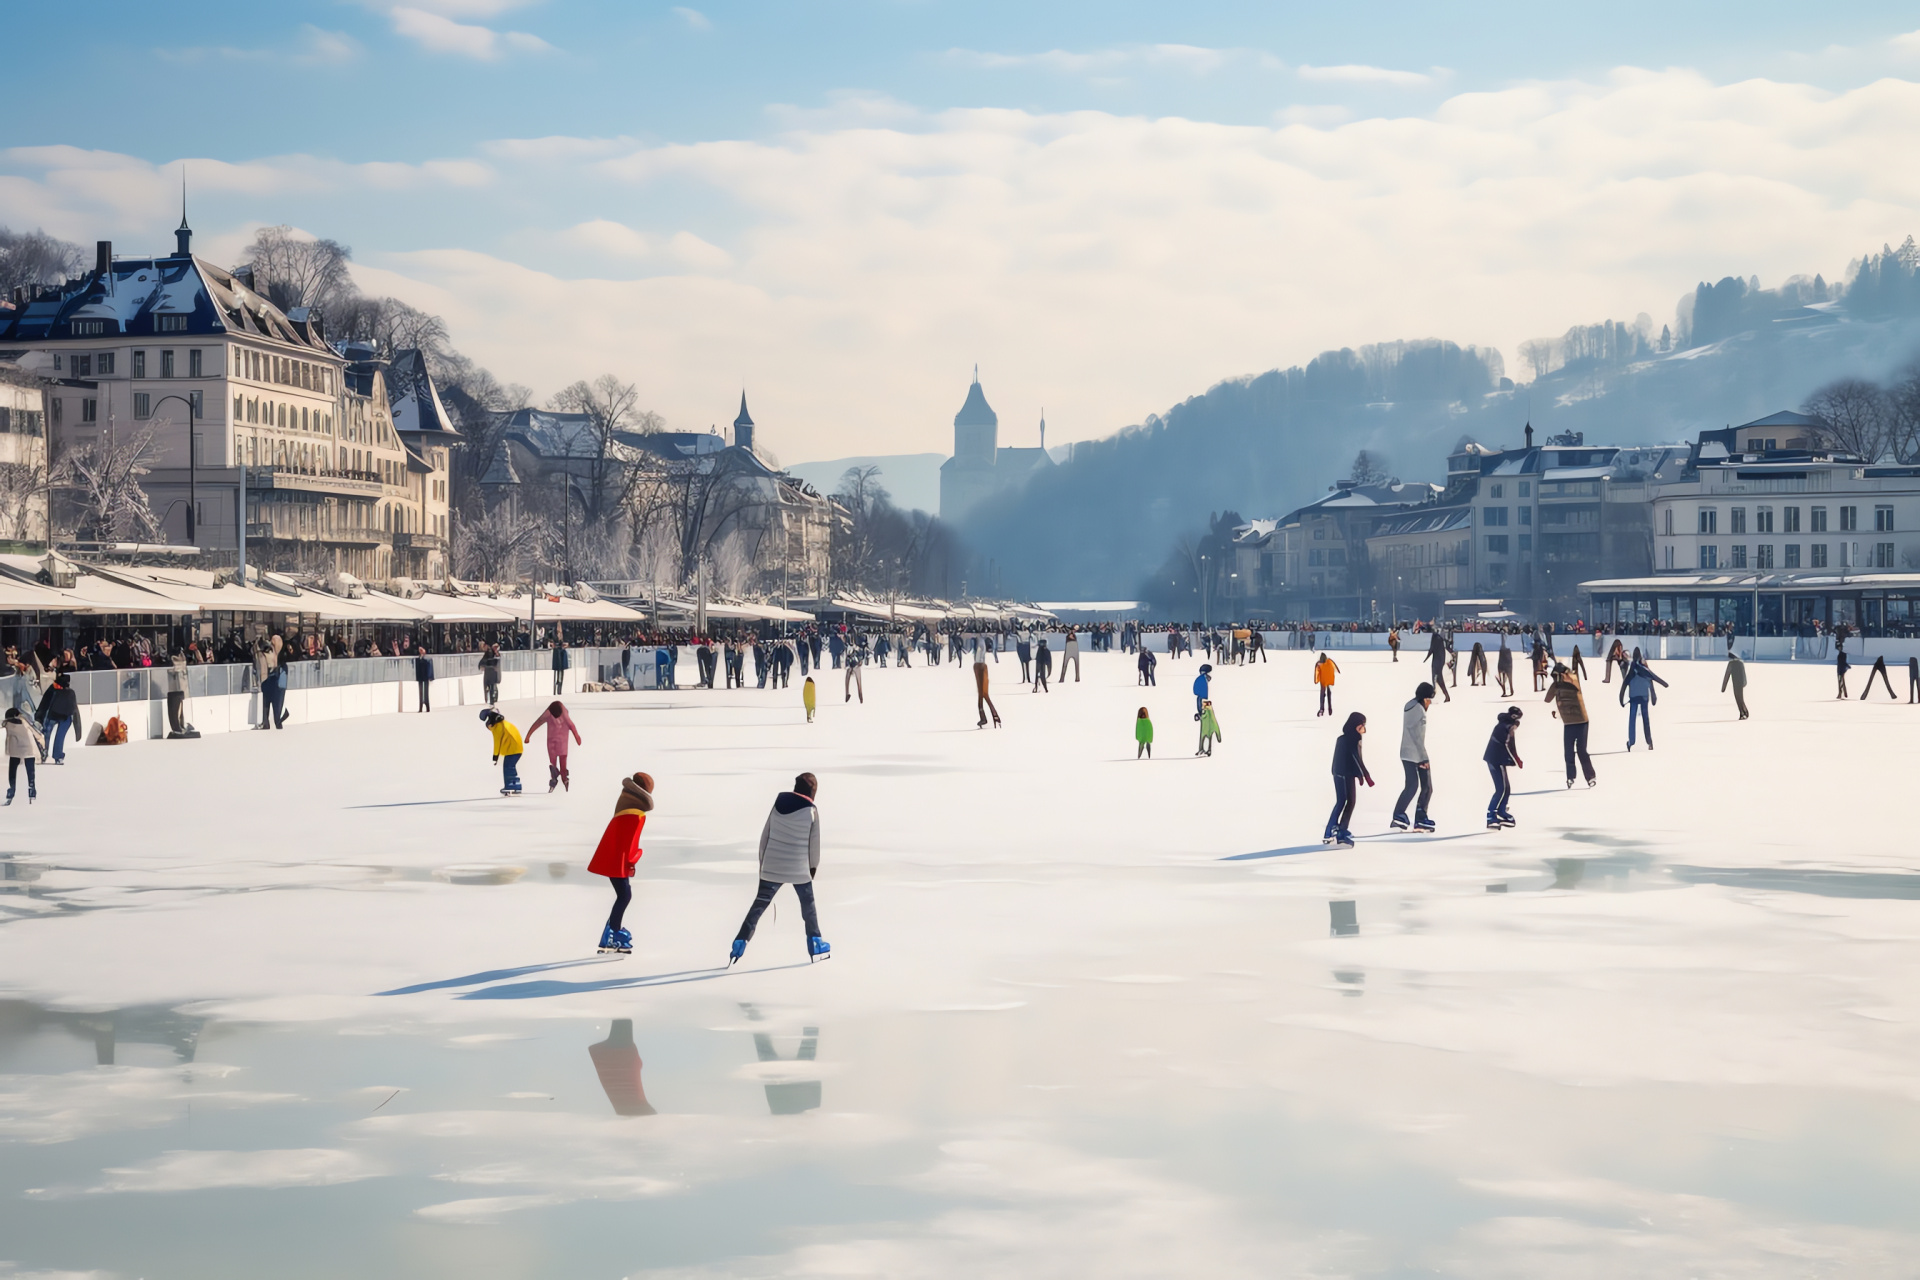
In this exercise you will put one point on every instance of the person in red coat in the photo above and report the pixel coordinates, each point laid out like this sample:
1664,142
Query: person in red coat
619,853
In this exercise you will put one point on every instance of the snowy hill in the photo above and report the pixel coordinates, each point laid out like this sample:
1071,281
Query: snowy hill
912,479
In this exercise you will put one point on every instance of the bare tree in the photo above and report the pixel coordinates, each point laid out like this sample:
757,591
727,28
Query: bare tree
23,496
103,497
1537,355
492,547
613,468
296,271
1903,413
1856,416
388,323
1369,468
33,257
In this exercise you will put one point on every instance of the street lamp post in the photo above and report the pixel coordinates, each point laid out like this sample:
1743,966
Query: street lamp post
193,474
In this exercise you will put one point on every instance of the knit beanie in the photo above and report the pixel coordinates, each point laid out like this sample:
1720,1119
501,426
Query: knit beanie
635,793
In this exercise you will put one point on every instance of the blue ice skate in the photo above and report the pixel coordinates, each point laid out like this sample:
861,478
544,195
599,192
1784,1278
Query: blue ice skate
623,942
606,939
739,949
817,949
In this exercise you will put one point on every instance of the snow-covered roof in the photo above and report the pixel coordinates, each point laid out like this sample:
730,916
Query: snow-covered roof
413,398
131,296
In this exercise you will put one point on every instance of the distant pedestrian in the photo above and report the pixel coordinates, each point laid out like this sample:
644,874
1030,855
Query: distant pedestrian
855,659
1616,657
561,734
1202,688
1840,666
1913,680
1437,649
1503,669
560,664
1349,771
1324,672
1042,666
1736,678
60,714
618,855
1879,670
1023,647
1415,762
1503,752
507,748
1570,706
789,854
1070,653
1143,735
1393,642
982,700
1147,663
490,673
1209,729
807,697
423,677
24,745
1637,694
1477,665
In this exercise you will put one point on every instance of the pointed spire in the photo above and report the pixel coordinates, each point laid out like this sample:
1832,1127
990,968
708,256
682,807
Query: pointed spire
976,373
745,419
183,235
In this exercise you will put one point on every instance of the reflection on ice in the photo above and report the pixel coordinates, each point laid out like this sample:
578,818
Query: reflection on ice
1346,919
617,1061
146,1024
787,1097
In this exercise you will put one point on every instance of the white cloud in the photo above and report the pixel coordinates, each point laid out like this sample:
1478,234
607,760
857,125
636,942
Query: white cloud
693,18
857,262
436,32
319,45
1365,75
1195,59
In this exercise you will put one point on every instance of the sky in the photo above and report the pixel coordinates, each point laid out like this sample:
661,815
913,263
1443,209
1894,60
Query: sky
842,208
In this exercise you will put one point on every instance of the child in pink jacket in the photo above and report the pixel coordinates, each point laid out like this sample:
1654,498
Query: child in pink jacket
559,726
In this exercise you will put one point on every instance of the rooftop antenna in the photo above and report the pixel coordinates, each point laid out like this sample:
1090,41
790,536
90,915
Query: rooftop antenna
1043,428
976,371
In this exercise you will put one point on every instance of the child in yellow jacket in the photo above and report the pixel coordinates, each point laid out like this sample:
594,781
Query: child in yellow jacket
807,697
507,749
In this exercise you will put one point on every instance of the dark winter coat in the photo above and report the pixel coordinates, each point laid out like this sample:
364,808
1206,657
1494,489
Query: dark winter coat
560,659
1501,747
1347,759
423,669
60,703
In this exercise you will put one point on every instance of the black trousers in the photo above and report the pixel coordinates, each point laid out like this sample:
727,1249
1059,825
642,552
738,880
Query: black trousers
761,900
176,712
1573,740
1418,780
1346,794
622,895
13,771
426,694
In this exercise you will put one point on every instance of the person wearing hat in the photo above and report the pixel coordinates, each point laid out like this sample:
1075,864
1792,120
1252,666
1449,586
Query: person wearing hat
507,749
1323,673
60,714
1571,708
1202,686
1415,762
618,854
1502,753
789,854
1349,771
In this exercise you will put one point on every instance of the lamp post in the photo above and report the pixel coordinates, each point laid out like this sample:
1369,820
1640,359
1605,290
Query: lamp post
193,474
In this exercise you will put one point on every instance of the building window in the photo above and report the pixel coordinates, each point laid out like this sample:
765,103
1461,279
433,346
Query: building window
1668,518
1709,520
1738,559
1818,554
1526,489
1496,491
1763,556
1763,519
89,410
1789,519
1791,559
239,408
1526,541
1849,519
193,363
1737,520
142,404
1818,521
1709,557
1493,517
170,324
87,328
198,400
1496,575
1883,519
1526,515
139,364
82,364
1317,556
1496,544
1669,552
1883,555
104,363
166,364
59,409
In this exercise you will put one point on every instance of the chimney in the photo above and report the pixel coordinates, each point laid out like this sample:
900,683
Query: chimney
1529,435
103,256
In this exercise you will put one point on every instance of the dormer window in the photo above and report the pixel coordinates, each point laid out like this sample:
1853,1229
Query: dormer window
88,328
170,324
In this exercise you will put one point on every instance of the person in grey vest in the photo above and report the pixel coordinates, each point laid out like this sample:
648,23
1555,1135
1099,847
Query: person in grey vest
789,854
1070,653
1415,762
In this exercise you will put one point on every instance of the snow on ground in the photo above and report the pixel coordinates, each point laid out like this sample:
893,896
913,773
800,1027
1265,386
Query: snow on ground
1085,1015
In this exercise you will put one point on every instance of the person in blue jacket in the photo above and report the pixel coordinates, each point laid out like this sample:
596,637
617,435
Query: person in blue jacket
1637,694
1201,685
1503,752
1349,771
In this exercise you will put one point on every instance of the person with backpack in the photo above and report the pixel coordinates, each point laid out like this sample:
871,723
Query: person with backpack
1502,753
1324,672
1570,706
789,854
507,748
24,743
1349,771
618,855
560,727
1142,735
1415,762
1637,695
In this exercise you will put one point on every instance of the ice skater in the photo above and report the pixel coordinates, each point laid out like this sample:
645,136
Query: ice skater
60,714
1349,771
1570,706
1142,735
982,700
1880,670
1913,681
24,745
507,749
1209,729
1414,762
1503,752
618,854
560,727
1736,678
1503,669
1202,688
1147,663
1477,665
855,660
789,854
1436,659
807,698
1637,694
1840,666
1324,672
1070,653
423,676
1393,642
1042,666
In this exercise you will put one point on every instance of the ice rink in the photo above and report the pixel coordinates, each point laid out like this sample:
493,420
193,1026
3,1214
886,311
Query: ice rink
320,1003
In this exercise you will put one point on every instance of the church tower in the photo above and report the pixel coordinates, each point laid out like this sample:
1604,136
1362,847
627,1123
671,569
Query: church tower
743,426
976,428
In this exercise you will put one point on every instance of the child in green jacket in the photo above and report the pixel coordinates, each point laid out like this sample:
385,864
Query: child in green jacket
1143,734
1209,728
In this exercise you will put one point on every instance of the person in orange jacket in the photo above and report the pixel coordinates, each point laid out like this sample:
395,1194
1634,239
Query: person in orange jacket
1323,673
618,854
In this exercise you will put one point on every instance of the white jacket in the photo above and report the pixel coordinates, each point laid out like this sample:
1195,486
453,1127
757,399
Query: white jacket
23,740
790,841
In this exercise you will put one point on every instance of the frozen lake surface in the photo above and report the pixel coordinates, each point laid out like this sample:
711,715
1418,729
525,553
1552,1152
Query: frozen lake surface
320,1003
